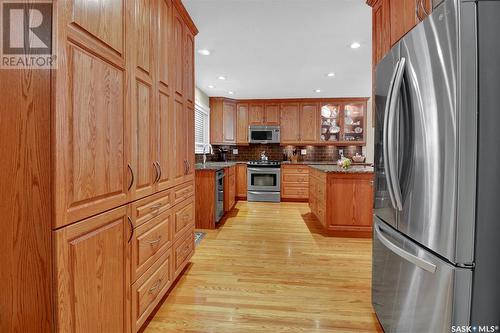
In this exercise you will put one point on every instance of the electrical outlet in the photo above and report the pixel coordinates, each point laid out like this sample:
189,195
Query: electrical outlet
303,151
341,152
235,151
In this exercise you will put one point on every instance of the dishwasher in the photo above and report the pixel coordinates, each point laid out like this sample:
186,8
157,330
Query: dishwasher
219,195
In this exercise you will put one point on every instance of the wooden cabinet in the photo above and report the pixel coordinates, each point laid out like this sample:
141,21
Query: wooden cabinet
309,123
229,188
256,115
90,165
294,182
93,274
342,202
343,123
391,20
272,114
242,123
222,121
241,181
290,126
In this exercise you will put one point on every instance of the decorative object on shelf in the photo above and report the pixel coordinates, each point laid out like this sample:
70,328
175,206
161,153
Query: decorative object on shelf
358,158
358,130
344,163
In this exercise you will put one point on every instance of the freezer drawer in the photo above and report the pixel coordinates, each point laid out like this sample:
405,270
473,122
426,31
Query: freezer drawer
413,290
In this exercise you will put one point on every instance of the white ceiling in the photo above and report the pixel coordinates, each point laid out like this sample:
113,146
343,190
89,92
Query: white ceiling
283,48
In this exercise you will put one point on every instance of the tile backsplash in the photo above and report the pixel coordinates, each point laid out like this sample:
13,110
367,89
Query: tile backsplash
277,152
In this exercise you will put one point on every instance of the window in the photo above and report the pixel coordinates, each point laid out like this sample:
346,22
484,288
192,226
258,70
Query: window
201,128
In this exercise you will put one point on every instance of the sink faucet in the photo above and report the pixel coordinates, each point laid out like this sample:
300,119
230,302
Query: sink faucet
210,150
263,156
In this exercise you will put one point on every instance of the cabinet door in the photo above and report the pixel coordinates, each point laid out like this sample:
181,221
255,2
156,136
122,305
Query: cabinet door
272,114
403,18
256,114
93,147
290,123
242,123
178,37
179,167
144,129
241,180
93,274
229,122
381,30
309,123
189,130
189,65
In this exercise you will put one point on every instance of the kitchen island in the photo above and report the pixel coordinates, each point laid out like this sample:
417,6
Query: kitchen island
342,199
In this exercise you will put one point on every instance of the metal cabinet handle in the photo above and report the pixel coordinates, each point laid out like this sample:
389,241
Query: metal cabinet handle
155,286
157,173
156,206
132,179
159,169
154,242
131,225
185,167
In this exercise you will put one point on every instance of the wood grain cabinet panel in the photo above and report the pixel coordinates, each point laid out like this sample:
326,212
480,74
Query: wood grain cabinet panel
242,123
229,122
103,19
148,291
272,114
163,140
183,251
93,274
229,188
256,114
165,47
309,123
178,44
179,143
190,143
144,34
189,66
183,217
241,181
290,127
96,158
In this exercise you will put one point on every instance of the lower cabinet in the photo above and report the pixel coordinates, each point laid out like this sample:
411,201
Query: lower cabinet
93,274
229,188
241,181
294,182
113,269
342,202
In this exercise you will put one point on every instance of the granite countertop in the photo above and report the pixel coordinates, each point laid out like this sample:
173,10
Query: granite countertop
337,169
215,165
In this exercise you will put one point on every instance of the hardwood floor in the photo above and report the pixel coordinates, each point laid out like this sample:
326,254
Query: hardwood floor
270,268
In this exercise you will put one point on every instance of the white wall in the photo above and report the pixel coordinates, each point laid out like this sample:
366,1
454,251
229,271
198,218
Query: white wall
201,98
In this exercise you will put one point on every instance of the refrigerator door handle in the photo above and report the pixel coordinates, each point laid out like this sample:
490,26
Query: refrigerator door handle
394,179
385,150
424,264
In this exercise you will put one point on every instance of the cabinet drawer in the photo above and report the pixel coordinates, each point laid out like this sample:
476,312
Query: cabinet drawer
150,288
295,169
183,217
183,192
149,241
145,209
295,192
183,251
296,178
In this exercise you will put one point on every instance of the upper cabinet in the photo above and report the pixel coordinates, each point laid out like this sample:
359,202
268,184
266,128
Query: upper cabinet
242,123
392,19
256,115
309,122
272,114
222,121
290,120
343,123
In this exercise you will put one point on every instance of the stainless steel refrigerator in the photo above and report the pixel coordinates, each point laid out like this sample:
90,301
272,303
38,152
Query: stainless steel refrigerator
436,241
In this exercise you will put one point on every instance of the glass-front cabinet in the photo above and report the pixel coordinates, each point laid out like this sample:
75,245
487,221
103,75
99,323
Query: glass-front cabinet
343,123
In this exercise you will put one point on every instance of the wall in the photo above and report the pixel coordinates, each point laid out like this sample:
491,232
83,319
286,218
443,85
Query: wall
277,152
201,98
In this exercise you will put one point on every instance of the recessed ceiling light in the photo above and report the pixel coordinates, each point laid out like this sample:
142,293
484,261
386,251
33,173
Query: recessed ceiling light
355,45
211,86
204,52
317,90
330,74
230,92
222,77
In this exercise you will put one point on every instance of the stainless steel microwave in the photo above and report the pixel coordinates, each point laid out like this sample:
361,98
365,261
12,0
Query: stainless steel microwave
264,134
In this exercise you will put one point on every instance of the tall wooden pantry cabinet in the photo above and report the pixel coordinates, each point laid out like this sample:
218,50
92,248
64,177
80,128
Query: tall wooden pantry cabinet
97,175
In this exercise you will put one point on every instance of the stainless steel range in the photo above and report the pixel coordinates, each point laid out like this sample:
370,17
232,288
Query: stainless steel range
264,181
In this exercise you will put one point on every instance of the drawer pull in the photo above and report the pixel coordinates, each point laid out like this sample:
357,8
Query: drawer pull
155,286
156,206
154,242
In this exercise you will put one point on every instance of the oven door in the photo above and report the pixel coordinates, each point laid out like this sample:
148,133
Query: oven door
264,179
